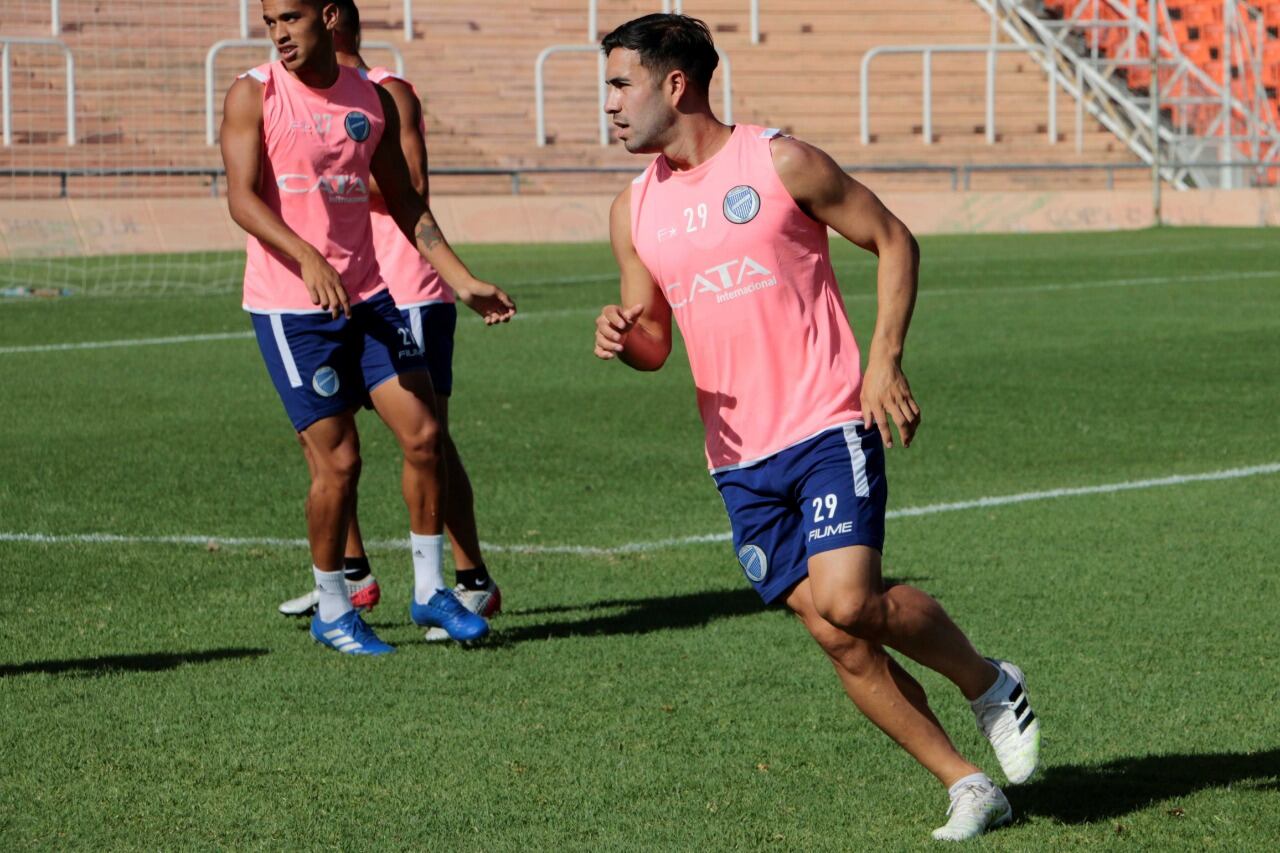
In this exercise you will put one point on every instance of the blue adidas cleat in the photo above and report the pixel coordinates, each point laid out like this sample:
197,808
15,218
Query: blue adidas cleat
444,610
348,634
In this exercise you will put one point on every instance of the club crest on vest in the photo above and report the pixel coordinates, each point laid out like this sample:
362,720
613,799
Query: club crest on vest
358,126
741,204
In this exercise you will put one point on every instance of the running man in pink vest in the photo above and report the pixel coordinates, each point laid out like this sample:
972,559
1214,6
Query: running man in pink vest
303,139
427,306
726,231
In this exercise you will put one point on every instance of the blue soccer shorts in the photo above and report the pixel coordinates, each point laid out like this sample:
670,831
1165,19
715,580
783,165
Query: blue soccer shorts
322,366
825,493
433,326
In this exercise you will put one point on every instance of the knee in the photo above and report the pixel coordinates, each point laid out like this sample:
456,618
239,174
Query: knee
340,467
422,447
857,614
855,656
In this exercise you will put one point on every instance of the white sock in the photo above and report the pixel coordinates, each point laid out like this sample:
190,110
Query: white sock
334,600
428,554
980,778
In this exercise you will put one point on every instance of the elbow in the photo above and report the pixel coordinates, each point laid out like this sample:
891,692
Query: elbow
235,206
419,182
904,243
653,359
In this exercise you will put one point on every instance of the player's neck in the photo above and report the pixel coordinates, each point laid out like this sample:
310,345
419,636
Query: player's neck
321,73
352,60
702,138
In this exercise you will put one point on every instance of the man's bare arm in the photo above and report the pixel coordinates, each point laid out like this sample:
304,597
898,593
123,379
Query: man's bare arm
242,154
412,213
638,331
412,143
823,191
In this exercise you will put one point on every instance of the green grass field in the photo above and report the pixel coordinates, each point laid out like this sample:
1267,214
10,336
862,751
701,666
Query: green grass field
643,699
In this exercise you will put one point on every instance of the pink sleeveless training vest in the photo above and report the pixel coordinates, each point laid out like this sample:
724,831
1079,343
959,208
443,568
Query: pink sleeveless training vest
749,279
411,279
317,146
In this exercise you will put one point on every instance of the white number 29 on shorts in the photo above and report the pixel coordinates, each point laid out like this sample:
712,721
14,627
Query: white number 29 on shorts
829,503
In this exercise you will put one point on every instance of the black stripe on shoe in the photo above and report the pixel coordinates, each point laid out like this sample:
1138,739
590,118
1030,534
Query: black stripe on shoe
1016,692
1022,706
1022,726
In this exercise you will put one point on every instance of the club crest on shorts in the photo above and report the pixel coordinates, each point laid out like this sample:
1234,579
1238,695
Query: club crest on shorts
754,563
325,381
358,126
741,204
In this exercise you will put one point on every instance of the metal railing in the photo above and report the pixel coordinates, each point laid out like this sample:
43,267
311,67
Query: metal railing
210,131
1177,83
55,18
927,52
678,7
244,19
6,83
959,173
539,88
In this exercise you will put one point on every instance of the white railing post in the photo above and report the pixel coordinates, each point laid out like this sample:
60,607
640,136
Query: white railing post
71,98
593,20
1225,151
926,53
1154,44
864,102
755,21
602,89
728,86
6,91
991,96
55,17
1053,101
601,94
927,96
244,19
389,47
1080,109
6,83
210,133
408,20
539,88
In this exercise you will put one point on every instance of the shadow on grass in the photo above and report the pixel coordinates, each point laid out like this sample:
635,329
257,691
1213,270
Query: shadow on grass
151,662
1088,793
640,616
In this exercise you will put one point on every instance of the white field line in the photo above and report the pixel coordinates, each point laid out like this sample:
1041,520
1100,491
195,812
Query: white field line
655,544
556,313
935,259
128,342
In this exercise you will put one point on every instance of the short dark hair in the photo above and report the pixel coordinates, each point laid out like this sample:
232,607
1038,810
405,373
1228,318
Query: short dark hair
348,15
667,42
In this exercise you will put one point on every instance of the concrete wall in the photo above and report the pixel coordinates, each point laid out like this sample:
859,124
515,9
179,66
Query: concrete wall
144,226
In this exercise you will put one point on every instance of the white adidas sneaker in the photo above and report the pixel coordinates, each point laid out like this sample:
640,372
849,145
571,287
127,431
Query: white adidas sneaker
365,595
1005,718
485,602
975,807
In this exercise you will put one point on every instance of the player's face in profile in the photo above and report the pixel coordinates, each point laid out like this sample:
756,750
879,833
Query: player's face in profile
635,102
296,27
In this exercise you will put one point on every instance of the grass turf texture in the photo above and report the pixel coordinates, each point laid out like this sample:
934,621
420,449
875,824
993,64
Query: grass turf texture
154,699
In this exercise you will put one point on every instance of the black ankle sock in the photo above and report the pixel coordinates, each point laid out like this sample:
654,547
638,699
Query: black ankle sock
477,578
355,568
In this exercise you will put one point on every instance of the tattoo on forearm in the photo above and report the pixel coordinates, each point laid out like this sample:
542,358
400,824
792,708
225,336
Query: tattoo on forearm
429,234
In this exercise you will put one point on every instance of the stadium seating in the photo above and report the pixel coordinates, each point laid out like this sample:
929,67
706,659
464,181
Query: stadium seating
1198,27
141,90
